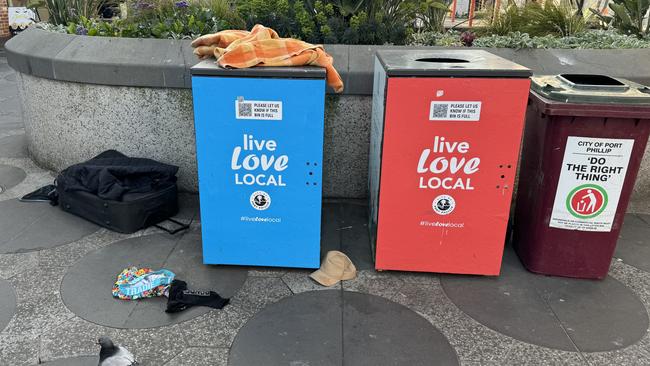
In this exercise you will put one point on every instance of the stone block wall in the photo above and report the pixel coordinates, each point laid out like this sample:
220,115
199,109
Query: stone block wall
4,19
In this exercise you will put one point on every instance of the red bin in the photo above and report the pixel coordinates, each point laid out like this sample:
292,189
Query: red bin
584,140
445,136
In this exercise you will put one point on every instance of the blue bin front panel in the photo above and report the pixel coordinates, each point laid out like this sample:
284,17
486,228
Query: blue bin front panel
260,179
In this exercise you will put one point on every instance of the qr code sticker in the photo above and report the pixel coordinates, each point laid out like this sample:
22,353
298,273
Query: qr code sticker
440,110
245,109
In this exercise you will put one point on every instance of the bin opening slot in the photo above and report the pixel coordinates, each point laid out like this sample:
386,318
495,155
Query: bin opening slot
442,60
588,79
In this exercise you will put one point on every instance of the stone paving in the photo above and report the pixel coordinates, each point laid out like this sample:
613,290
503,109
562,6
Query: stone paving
56,273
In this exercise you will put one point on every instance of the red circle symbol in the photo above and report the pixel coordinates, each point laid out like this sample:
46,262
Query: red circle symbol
587,201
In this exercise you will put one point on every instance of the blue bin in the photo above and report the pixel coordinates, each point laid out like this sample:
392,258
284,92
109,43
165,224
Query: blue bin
259,148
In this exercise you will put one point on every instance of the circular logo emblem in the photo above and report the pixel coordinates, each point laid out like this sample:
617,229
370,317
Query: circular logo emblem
443,204
586,201
260,200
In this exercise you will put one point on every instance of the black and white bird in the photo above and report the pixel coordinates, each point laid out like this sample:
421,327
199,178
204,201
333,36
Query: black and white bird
114,355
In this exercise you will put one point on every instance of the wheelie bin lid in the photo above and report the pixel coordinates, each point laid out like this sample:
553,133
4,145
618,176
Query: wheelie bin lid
590,89
449,63
211,68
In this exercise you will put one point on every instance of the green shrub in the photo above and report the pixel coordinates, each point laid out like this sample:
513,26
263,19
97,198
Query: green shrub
447,39
554,19
587,40
163,19
180,19
628,17
64,11
509,21
334,21
432,14
538,20
416,22
596,39
277,14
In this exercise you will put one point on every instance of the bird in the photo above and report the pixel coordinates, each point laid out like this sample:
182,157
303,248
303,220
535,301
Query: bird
114,355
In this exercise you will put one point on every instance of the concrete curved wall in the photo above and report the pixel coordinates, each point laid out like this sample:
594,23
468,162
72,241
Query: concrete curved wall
67,122
82,95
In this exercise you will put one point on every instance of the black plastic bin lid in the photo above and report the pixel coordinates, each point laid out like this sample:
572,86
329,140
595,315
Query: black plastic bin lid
590,89
211,68
449,63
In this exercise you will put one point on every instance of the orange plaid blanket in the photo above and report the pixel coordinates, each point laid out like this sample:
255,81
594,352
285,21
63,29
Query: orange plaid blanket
262,46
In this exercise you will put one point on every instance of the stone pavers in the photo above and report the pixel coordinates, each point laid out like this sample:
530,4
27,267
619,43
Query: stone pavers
13,146
75,361
554,312
84,288
10,176
383,316
632,245
29,226
337,327
7,303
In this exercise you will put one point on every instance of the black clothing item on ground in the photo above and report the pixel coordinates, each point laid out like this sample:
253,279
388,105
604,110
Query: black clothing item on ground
111,174
43,194
180,298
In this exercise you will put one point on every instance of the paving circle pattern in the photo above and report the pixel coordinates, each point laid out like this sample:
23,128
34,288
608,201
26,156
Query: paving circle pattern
75,361
86,287
633,246
13,146
10,176
7,303
555,312
333,327
28,226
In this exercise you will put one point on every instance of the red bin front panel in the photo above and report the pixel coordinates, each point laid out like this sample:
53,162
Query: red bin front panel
449,157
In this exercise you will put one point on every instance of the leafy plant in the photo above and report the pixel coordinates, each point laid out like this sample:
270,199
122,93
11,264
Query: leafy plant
66,11
334,21
554,19
165,19
598,39
224,10
432,14
277,14
60,12
348,8
448,39
510,21
538,20
628,16
93,27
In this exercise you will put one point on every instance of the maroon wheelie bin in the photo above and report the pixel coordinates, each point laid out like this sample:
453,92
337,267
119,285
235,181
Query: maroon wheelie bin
584,139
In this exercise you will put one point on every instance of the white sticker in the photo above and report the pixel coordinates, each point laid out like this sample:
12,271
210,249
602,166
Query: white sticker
258,109
455,111
591,180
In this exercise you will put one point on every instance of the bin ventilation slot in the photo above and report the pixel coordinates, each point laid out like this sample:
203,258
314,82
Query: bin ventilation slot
586,79
442,60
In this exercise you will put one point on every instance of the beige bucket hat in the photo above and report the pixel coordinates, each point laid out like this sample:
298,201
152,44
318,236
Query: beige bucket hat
335,267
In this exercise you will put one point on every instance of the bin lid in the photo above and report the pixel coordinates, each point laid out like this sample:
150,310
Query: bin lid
450,63
590,88
211,68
